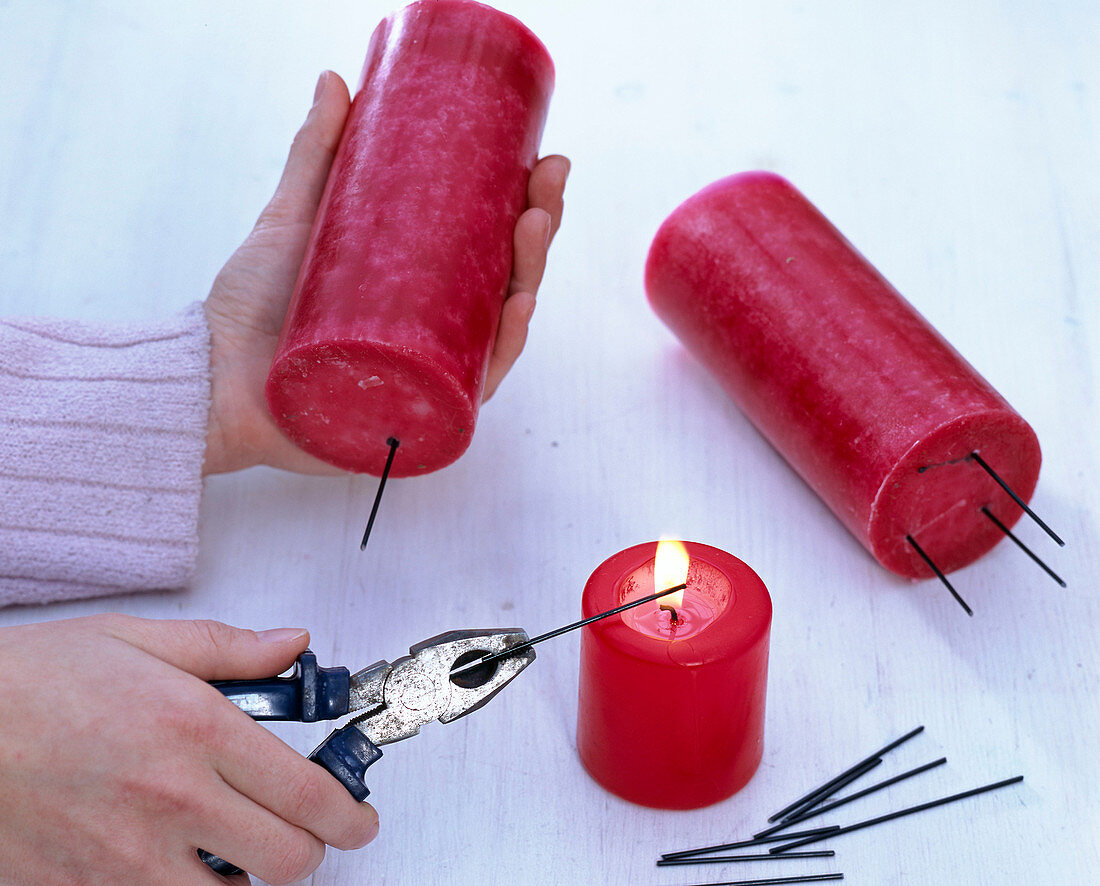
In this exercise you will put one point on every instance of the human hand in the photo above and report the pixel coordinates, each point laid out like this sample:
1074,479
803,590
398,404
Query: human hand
118,760
249,299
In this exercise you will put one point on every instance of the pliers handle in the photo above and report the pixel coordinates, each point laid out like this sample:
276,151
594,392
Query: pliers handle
309,694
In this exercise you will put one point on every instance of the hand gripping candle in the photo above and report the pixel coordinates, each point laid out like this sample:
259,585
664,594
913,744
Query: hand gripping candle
396,307
865,400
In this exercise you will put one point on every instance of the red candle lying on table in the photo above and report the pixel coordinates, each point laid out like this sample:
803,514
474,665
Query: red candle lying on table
397,303
865,400
671,710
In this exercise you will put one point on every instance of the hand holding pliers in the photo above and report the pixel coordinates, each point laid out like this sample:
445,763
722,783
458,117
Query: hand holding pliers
392,699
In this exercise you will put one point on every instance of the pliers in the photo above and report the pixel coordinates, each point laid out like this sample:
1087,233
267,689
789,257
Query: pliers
395,698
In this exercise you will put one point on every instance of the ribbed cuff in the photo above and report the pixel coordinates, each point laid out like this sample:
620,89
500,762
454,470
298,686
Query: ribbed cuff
102,438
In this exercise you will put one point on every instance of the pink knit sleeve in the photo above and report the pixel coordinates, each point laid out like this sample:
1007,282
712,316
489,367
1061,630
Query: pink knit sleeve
102,435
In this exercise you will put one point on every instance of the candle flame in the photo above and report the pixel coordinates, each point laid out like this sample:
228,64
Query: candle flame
670,569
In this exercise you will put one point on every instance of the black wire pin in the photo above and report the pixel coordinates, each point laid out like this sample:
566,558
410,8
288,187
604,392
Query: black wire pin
804,809
393,443
519,647
939,574
829,807
831,784
1022,546
747,844
770,881
901,812
838,785
992,473
730,859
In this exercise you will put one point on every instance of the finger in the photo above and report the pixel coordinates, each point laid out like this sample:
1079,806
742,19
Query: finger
530,242
211,650
265,769
311,154
252,838
511,337
546,187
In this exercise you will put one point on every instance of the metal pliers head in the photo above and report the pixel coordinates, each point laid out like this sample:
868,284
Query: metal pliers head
398,698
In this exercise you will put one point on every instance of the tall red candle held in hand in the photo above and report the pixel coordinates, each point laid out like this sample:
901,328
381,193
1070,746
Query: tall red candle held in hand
397,303
865,400
671,710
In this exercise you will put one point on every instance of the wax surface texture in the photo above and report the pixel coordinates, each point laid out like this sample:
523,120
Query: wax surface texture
666,720
860,394
397,303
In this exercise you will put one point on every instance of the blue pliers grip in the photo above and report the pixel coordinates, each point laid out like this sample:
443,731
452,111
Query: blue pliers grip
392,700
309,694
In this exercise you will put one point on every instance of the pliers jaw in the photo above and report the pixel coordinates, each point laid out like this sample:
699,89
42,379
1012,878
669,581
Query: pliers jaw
400,697
396,699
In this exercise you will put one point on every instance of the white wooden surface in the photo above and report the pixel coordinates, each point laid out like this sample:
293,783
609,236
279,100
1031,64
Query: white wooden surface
957,144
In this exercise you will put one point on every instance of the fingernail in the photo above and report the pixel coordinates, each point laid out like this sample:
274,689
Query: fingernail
320,86
374,831
568,168
546,233
280,635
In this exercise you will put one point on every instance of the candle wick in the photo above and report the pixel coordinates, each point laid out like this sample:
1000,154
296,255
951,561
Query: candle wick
673,616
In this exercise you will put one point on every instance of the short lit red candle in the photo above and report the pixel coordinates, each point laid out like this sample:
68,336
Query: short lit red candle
397,304
671,709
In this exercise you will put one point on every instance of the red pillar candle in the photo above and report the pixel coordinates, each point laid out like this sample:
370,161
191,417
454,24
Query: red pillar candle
396,307
671,709
865,400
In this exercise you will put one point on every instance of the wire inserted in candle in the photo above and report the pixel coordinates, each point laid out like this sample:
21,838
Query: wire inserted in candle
939,574
479,662
1022,546
393,443
833,782
898,814
980,462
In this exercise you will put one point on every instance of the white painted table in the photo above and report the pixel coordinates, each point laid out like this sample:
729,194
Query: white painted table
956,144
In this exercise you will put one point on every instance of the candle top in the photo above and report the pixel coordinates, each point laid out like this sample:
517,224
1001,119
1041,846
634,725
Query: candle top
732,608
708,593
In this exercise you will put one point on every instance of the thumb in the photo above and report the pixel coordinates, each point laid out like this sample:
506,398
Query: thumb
311,154
212,650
